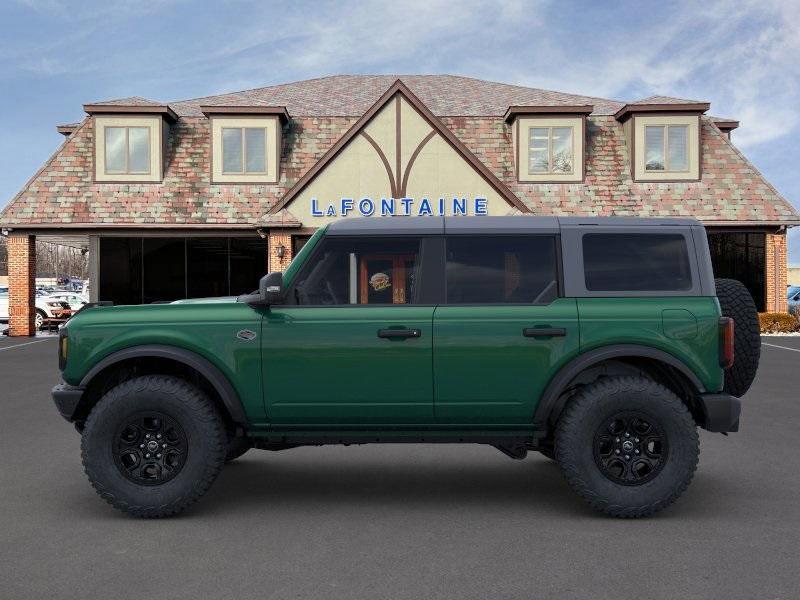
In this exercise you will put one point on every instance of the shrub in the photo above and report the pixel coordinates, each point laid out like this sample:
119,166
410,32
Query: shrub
775,322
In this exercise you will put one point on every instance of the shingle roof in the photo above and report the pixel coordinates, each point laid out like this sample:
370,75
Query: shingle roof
665,100
130,101
352,95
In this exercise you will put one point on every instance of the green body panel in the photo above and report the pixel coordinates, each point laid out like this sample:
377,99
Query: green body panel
300,259
486,371
208,329
328,365
685,327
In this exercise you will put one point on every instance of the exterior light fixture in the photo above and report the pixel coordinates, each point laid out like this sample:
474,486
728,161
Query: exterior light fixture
281,250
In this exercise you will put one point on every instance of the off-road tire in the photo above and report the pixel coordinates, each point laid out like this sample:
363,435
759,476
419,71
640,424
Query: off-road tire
186,405
237,446
585,415
736,302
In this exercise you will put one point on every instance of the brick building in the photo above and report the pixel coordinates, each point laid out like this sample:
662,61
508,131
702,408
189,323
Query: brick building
200,197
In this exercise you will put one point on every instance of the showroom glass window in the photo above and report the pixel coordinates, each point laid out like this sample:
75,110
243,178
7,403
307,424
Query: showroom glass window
666,147
501,269
550,150
360,271
244,150
617,262
127,150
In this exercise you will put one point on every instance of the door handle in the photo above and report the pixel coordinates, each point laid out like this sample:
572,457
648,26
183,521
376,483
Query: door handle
391,334
544,332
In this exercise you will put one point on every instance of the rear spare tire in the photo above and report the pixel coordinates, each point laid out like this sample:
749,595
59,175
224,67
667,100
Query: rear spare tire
737,303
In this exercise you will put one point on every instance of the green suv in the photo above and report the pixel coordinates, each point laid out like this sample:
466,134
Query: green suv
602,343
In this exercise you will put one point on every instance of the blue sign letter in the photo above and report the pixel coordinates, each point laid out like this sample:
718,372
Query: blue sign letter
315,211
480,206
366,207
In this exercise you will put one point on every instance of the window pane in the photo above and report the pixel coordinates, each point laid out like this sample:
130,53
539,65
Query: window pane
538,138
654,148
138,149
678,140
364,271
616,262
164,263
248,264
207,267
115,149
231,150
501,270
256,152
562,149
538,150
120,270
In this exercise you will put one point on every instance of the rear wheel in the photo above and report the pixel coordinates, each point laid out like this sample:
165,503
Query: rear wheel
736,302
153,445
39,319
627,445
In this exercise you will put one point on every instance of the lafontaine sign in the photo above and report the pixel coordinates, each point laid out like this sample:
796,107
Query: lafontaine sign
393,207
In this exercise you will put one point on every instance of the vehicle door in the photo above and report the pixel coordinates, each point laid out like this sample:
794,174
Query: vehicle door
353,343
503,332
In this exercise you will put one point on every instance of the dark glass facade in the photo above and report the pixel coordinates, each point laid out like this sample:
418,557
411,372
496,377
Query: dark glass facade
740,256
142,270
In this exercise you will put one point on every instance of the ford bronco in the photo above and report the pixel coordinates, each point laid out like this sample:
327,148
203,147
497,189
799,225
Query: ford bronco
602,343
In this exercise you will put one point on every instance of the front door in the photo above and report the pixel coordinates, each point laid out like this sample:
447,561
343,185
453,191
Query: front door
352,345
503,331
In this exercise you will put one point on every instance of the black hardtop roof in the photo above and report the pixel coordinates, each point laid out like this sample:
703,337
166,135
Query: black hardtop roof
488,225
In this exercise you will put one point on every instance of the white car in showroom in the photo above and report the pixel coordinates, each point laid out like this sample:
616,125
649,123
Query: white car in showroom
55,306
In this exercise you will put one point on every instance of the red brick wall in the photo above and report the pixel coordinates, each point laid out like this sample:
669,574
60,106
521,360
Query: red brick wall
21,284
277,238
775,271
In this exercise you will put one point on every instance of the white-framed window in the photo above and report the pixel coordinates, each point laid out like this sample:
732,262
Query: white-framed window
550,150
244,150
666,148
127,150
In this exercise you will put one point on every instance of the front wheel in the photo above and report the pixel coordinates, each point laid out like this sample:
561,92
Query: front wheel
153,445
627,445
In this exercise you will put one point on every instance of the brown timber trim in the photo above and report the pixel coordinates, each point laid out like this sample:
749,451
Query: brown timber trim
725,124
384,160
67,130
411,159
398,147
399,87
514,111
279,111
131,109
630,109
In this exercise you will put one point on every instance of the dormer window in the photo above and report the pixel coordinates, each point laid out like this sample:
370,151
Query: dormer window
127,150
548,142
666,148
244,150
245,143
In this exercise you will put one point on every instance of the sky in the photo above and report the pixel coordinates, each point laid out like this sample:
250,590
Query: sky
742,56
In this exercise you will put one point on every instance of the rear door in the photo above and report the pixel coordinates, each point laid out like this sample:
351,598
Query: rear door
354,346
503,331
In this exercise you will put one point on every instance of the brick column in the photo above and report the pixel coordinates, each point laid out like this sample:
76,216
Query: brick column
278,238
21,284
775,271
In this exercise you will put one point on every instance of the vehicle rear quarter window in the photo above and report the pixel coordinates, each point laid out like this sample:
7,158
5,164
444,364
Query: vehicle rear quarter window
615,262
501,269
360,271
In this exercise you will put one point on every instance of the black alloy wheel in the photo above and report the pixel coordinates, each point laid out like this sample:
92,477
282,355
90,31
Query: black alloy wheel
630,448
150,448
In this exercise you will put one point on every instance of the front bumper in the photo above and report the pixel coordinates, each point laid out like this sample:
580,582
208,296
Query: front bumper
67,399
721,412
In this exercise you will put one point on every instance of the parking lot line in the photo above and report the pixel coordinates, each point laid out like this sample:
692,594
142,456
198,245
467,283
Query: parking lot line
25,344
777,346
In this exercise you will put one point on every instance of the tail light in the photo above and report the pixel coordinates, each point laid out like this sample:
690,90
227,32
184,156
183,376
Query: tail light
726,351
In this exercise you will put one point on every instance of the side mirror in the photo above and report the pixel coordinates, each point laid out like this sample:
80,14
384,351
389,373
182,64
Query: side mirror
270,291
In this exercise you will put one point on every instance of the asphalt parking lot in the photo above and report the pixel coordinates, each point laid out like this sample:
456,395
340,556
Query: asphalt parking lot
396,522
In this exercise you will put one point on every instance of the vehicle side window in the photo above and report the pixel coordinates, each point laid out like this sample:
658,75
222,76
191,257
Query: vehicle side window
501,269
636,262
360,271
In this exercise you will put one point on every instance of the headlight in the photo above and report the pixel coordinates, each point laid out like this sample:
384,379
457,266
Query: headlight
54,304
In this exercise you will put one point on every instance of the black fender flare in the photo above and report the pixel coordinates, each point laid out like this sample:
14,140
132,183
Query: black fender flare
220,383
549,398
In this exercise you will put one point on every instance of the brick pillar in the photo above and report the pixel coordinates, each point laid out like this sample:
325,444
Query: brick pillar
21,284
776,270
278,238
